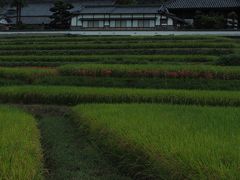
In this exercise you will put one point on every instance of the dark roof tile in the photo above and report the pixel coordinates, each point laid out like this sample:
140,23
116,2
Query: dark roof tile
208,4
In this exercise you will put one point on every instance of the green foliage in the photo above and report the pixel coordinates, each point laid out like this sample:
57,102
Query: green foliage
165,141
61,15
212,21
20,152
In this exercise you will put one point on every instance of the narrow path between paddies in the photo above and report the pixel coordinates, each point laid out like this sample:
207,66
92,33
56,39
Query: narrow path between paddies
68,154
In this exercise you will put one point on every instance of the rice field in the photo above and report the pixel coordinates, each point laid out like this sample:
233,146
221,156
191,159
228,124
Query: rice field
119,107
169,141
20,150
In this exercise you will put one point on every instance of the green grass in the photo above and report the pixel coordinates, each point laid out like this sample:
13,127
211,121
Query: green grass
70,95
20,150
165,141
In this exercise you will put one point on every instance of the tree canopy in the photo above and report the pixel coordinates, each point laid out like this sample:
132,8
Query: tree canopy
61,15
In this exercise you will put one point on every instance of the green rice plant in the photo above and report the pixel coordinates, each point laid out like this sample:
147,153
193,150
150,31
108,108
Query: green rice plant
20,149
20,39
113,59
151,71
107,41
165,141
27,74
117,46
127,82
69,95
139,51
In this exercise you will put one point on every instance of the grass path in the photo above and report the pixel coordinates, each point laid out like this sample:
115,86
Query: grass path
68,154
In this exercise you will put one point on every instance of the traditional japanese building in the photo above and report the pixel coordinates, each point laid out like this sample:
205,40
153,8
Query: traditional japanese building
187,9
124,18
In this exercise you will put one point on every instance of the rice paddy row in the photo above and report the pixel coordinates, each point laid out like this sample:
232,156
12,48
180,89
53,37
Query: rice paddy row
134,71
69,95
76,46
104,59
165,141
111,38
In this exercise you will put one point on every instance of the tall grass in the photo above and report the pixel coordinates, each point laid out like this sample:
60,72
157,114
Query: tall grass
20,150
166,142
68,95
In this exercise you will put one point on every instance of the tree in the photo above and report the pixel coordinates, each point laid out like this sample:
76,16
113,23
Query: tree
209,21
19,4
61,15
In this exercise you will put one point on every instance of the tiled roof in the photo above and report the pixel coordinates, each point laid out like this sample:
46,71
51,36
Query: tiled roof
208,4
119,10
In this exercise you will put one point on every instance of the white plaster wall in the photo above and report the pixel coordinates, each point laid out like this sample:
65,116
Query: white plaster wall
99,16
149,15
87,16
158,20
126,16
74,21
170,21
138,16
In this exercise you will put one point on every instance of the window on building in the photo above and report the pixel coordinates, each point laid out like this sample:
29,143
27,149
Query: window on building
146,23
90,24
96,23
118,23
123,23
140,23
163,21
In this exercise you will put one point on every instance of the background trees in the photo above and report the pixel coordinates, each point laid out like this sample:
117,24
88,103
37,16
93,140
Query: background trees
19,4
61,15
